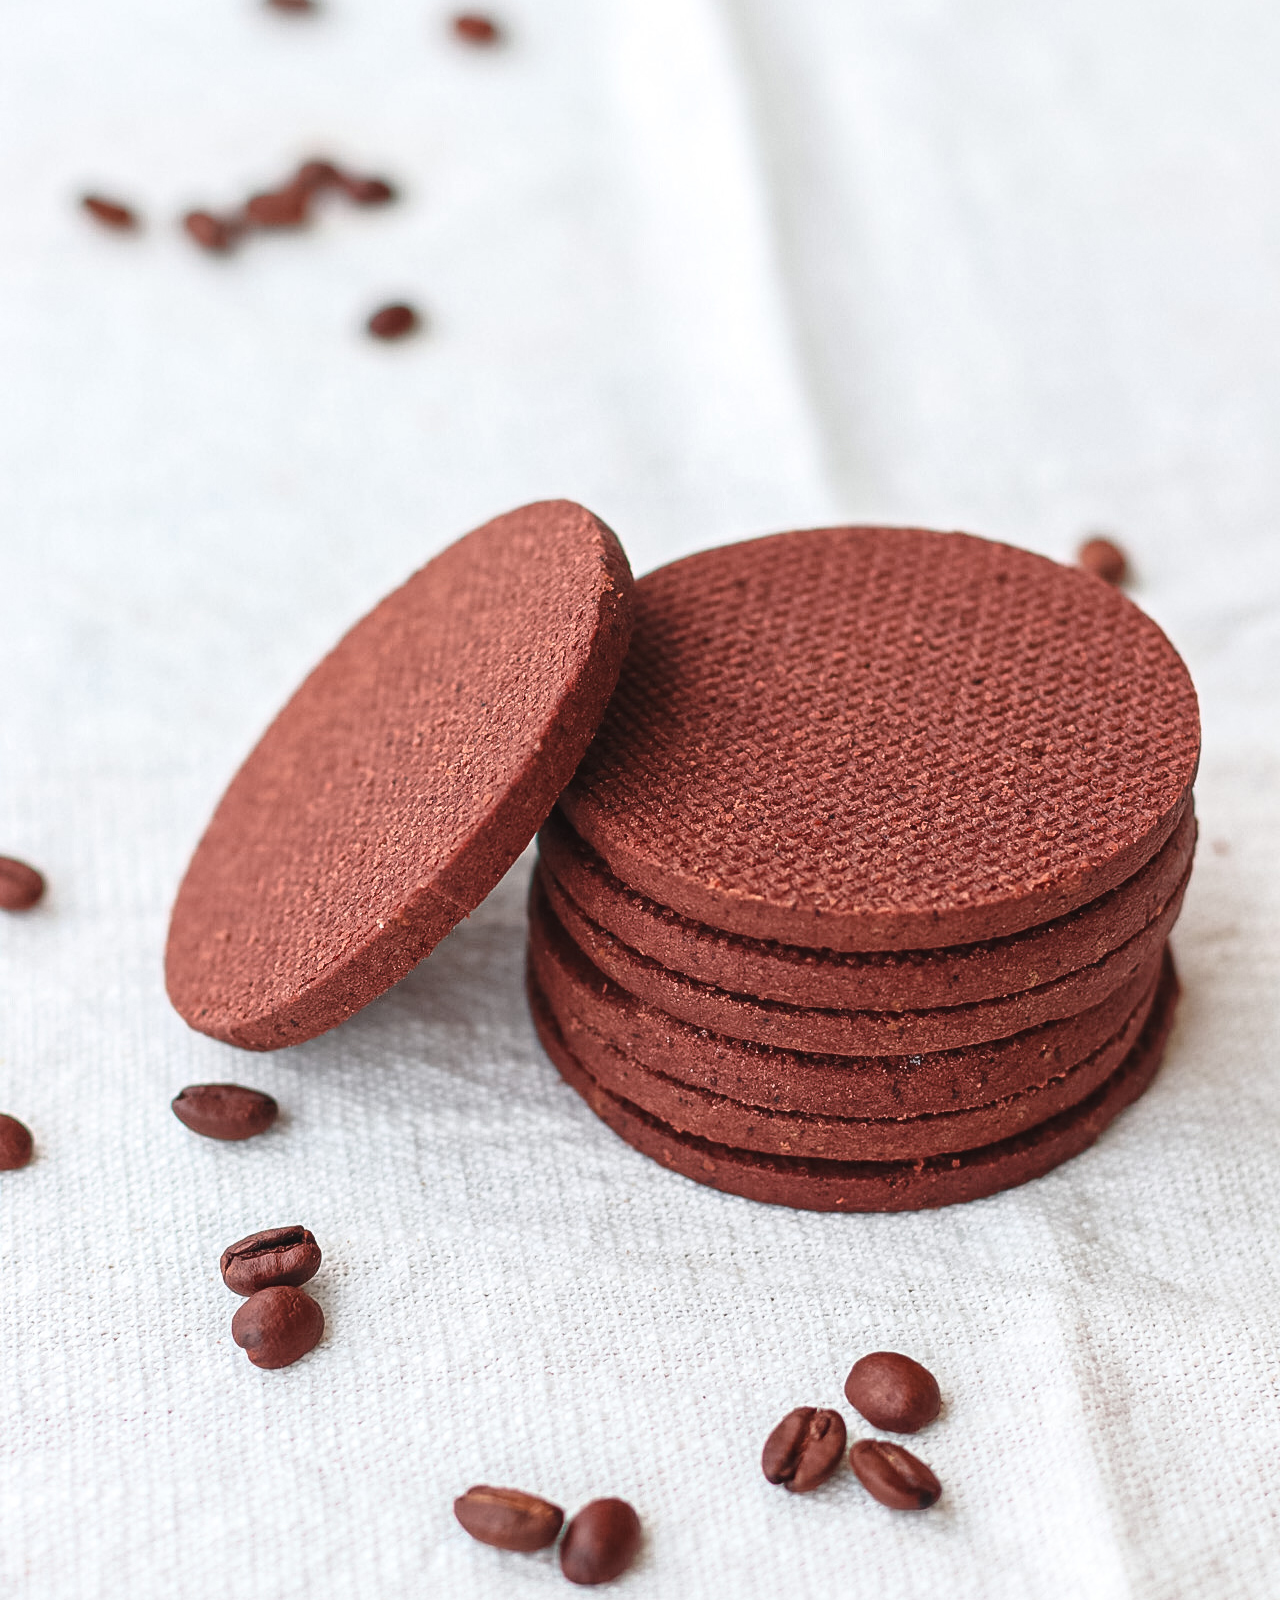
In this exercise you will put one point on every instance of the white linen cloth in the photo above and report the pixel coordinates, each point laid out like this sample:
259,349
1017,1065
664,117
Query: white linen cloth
715,268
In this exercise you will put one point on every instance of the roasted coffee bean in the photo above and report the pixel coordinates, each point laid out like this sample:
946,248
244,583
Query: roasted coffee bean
1104,559
210,232
475,29
277,1326
279,208
804,1449
275,1256
15,1144
600,1543
508,1518
368,191
393,322
110,213
314,175
893,1475
893,1392
225,1110
21,886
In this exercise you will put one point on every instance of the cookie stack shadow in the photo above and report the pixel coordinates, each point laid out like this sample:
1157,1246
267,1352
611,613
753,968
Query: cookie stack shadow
860,900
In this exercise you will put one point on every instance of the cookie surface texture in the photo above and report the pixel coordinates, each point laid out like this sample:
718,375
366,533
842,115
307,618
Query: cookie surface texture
885,738
401,781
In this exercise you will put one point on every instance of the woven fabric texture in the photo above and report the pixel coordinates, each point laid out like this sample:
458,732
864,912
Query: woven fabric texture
712,268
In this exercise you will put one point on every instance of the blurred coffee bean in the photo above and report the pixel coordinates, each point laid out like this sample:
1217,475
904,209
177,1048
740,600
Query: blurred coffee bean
893,1392
600,1543
473,28
212,233
1104,559
278,1326
893,1475
367,191
804,1449
297,7
225,1110
15,1143
110,213
508,1518
275,1256
393,322
279,208
21,886
314,175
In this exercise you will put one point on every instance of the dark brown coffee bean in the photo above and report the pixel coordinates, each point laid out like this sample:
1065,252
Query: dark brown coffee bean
279,208
368,191
1104,559
21,886
393,322
110,213
15,1144
316,175
475,29
277,1326
893,1392
212,233
893,1475
275,1256
600,1543
508,1518
804,1449
225,1110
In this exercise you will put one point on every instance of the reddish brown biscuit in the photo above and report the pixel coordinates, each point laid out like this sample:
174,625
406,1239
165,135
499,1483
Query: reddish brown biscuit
889,980
690,1109
873,1185
858,1032
885,739
402,780
586,1004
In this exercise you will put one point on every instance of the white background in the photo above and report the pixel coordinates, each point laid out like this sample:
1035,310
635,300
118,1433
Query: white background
715,268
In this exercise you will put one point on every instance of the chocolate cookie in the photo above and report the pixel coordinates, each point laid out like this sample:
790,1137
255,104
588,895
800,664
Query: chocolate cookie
889,980
885,739
872,1185
780,1079
723,1120
858,1032
402,780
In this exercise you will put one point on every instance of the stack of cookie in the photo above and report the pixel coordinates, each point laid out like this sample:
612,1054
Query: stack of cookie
860,897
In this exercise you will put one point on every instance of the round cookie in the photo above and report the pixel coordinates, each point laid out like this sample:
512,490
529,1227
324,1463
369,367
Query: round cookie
858,1032
885,739
889,980
402,779
871,1185
787,1080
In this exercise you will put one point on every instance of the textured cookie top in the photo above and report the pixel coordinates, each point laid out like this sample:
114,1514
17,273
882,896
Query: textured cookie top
885,738
402,780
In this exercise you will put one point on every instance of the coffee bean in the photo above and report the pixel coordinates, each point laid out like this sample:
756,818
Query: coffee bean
893,1392
277,1326
804,1449
210,232
475,29
225,1110
1104,559
110,213
600,1543
893,1475
295,6
508,1518
393,322
275,1256
15,1144
314,175
279,208
368,191
21,886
